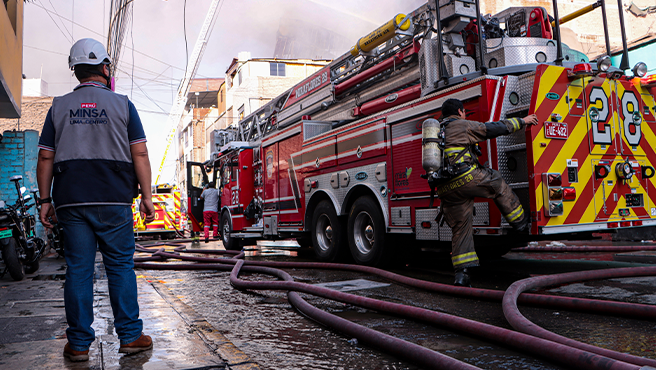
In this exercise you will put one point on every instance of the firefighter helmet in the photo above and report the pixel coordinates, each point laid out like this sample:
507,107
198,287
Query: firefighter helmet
88,51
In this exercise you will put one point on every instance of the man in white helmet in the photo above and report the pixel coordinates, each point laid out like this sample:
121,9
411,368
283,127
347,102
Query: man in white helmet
93,153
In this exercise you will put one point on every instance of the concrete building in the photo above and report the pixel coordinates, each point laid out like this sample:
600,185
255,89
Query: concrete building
202,107
35,87
34,111
11,58
251,83
219,103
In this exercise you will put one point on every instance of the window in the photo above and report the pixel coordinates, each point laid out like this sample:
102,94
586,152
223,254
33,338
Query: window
241,113
186,137
197,177
277,69
239,76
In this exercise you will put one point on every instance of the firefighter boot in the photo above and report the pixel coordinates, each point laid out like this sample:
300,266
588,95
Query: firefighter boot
462,278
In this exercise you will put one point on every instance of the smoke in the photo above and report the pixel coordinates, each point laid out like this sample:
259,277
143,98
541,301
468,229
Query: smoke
158,33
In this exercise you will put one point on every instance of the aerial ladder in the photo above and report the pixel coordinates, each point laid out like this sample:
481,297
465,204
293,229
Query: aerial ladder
181,98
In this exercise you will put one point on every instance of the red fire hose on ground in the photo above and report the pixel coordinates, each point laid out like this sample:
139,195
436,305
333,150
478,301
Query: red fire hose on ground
567,355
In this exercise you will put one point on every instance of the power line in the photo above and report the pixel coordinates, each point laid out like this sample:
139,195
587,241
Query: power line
56,24
165,83
101,35
53,8
48,51
184,27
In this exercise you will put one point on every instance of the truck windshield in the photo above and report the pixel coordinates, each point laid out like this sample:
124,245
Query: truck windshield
197,176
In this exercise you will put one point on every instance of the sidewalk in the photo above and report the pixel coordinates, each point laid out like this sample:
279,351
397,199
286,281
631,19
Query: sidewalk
33,324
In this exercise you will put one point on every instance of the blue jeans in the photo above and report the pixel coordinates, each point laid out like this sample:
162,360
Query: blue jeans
108,228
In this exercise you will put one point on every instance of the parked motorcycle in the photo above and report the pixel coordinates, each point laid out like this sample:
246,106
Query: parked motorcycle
21,248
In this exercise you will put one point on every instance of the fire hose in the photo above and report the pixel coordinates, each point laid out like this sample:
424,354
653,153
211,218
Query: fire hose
564,354
632,310
587,248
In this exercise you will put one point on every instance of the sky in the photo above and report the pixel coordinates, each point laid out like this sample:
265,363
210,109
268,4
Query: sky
154,54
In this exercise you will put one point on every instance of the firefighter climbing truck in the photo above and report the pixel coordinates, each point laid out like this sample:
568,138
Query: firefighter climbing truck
336,161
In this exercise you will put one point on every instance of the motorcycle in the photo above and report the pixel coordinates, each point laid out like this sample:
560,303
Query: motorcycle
21,248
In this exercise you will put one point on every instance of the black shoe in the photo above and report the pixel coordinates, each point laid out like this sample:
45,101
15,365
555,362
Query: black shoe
462,278
207,240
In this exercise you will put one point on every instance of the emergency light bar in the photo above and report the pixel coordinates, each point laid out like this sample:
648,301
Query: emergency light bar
581,70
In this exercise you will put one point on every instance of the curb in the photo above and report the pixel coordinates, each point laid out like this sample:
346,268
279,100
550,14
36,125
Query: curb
233,356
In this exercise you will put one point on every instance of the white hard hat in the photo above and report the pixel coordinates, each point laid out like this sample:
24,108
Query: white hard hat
88,51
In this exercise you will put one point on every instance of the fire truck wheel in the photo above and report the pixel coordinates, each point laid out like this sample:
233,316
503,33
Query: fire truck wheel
366,233
328,234
229,243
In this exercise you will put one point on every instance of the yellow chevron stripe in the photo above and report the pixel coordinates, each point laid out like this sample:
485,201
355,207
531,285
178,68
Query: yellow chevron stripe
547,81
579,135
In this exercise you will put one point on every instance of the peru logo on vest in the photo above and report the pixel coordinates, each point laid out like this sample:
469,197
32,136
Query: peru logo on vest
88,115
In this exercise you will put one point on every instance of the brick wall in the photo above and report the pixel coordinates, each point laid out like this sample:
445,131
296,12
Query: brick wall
18,156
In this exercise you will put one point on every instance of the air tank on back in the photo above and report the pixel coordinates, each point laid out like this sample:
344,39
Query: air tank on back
431,153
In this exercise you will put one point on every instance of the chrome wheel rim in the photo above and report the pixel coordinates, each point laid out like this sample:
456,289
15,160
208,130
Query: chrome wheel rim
324,233
226,231
364,233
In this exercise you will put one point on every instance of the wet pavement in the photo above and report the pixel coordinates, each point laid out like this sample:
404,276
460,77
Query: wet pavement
198,320
33,324
269,330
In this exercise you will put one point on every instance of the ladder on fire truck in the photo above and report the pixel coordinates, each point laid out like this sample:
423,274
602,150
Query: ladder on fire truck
382,69
183,89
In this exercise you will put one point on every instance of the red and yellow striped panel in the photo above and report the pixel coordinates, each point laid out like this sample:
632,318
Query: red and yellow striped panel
164,220
613,139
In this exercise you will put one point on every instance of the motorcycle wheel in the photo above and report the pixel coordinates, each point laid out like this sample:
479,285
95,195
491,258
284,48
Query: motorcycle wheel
32,267
10,257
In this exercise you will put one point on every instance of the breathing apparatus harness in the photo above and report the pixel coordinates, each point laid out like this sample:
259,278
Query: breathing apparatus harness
449,169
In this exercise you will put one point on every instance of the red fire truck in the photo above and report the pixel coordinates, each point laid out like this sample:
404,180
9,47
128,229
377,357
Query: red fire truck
336,161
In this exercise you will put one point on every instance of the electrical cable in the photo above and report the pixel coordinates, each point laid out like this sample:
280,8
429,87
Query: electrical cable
102,35
53,20
184,27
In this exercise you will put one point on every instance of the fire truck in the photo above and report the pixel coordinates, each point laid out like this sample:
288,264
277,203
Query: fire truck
168,217
336,161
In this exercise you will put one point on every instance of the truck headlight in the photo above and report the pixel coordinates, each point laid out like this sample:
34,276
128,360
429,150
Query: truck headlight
640,69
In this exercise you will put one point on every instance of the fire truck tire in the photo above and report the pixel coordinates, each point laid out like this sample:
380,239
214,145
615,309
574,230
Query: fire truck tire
229,243
10,258
366,234
328,233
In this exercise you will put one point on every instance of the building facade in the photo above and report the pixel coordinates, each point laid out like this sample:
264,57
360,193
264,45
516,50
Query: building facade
11,58
251,83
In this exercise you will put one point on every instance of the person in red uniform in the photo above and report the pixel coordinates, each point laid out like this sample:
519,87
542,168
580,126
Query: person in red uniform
470,180
210,210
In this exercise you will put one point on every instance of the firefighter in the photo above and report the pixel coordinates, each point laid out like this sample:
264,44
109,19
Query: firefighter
466,179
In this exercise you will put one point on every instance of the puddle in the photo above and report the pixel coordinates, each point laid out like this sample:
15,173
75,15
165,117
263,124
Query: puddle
350,285
272,248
